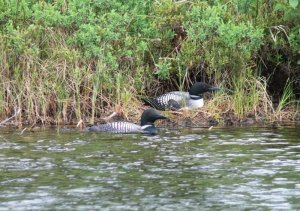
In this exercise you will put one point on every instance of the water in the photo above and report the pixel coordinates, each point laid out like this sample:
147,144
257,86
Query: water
195,169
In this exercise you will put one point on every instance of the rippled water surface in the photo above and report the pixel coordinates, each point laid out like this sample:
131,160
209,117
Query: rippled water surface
222,168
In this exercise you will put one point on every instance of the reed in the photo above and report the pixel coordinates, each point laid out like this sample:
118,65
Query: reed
286,103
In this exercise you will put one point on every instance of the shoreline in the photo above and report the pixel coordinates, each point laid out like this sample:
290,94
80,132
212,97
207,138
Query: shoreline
175,121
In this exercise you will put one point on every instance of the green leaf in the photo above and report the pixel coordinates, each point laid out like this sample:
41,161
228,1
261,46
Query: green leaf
279,6
293,3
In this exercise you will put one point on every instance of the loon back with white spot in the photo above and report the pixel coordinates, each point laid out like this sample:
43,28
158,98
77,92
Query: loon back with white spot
183,99
148,118
117,127
178,99
177,96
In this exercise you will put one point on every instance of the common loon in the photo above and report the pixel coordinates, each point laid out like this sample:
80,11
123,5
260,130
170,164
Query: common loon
178,99
148,118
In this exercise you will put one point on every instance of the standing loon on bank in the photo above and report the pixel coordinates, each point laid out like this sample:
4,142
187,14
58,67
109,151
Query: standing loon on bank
147,126
178,99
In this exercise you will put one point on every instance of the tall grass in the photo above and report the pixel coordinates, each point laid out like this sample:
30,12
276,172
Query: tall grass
287,102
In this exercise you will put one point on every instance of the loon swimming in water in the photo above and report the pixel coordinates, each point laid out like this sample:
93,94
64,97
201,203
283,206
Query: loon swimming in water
178,99
148,118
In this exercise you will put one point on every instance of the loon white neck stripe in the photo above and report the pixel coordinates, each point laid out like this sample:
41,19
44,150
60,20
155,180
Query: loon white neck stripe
145,126
195,97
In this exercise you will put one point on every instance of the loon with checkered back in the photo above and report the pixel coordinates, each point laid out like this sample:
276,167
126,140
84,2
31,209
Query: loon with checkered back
147,126
178,99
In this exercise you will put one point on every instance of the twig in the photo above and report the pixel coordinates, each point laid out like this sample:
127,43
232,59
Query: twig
79,124
23,130
176,112
181,2
6,120
110,116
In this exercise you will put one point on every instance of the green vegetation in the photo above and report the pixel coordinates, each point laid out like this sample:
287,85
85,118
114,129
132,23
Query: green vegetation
65,61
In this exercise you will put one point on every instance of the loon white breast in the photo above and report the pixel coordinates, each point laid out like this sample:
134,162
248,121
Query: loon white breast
148,118
177,99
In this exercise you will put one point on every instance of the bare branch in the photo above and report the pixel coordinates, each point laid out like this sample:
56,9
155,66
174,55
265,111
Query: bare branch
8,119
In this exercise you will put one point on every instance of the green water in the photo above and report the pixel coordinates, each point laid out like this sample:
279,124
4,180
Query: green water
199,169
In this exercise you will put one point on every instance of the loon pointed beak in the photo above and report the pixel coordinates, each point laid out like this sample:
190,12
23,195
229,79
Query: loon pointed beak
162,117
213,88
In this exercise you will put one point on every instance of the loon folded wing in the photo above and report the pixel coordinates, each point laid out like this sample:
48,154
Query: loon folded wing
174,100
168,101
174,105
155,103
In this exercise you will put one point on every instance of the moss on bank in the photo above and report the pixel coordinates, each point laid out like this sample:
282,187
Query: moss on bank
67,61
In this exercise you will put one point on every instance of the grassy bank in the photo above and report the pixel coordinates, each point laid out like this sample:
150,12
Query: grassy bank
67,61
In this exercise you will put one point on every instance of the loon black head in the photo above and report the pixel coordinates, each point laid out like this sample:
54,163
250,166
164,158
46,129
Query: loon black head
199,88
149,116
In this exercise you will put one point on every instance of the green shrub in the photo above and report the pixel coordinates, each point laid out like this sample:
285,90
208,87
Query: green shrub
62,61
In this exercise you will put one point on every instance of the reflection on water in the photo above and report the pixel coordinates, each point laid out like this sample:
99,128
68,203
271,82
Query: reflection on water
229,168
